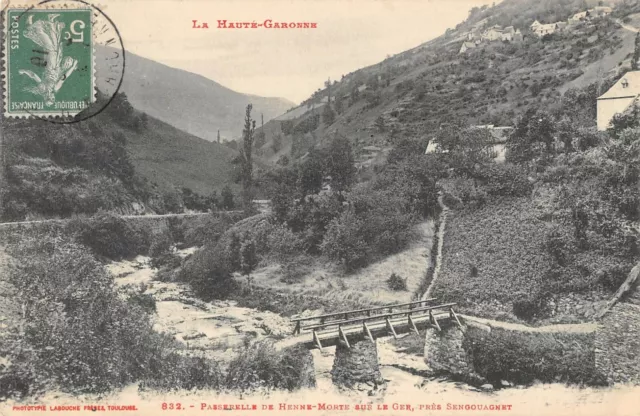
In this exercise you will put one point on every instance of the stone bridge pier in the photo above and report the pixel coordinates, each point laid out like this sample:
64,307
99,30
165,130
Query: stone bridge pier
358,366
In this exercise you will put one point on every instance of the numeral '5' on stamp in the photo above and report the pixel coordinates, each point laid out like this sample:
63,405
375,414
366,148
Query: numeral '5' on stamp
49,62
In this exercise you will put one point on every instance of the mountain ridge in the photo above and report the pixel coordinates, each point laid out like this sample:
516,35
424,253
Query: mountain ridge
167,92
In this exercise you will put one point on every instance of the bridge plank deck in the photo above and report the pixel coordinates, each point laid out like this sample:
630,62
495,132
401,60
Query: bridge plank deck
376,329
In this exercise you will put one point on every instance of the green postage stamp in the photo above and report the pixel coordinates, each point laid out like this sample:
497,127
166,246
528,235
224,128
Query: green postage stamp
49,64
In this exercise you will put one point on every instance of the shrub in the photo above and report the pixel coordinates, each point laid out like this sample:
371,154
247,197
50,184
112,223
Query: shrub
248,257
208,274
145,301
396,283
555,245
160,249
206,229
109,235
343,241
262,366
78,334
612,277
506,180
283,242
170,370
530,306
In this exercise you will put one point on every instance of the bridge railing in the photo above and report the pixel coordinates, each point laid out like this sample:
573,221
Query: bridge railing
387,319
368,311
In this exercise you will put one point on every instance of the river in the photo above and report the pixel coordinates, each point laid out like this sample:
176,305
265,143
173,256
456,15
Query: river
220,327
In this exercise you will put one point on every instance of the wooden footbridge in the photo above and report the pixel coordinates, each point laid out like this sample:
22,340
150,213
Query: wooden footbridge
381,321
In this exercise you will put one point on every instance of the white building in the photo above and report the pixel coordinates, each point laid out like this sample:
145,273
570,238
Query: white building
618,99
466,46
508,33
542,30
579,17
601,11
492,34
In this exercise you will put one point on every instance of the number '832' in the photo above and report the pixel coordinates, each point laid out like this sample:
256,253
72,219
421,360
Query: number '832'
171,406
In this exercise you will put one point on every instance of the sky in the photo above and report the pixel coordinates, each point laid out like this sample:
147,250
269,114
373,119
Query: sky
288,63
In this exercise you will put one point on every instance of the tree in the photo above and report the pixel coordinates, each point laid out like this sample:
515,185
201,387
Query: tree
328,115
621,122
354,96
341,164
231,144
276,143
466,150
327,84
143,122
311,174
227,198
218,135
261,137
338,105
379,124
234,253
283,161
247,163
565,134
534,127
636,53
404,149
248,257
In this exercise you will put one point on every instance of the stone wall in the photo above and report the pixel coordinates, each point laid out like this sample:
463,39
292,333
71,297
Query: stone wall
479,352
618,344
302,361
444,353
357,365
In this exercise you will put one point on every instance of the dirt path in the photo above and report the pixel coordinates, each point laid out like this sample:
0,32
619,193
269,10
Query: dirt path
63,220
587,327
626,26
438,261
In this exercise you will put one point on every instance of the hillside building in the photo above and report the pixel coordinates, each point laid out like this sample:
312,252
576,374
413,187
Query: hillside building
492,34
473,36
601,11
508,33
579,17
518,36
466,46
622,95
587,15
543,29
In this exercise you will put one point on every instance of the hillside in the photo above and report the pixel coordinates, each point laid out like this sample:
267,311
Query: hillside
120,160
190,102
171,157
550,232
412,93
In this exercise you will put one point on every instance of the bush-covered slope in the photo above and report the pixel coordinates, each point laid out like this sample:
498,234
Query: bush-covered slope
553,254
120,160
412,93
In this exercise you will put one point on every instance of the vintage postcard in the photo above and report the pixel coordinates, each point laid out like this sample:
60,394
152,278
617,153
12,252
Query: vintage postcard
288,207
